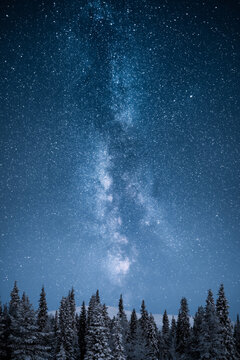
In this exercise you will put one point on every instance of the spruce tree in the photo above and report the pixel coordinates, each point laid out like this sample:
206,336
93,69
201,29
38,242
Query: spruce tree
165,343
66,332
237,336
183,329
226,330
118,352
172,340
82,330
151,348
123,320
197,333
133,340
23,332
44,330
3,334
14,301
210,345
97,343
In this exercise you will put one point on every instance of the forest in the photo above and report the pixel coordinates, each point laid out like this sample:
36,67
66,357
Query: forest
27,334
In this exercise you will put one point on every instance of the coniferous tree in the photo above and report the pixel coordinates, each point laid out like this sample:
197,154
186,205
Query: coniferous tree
14,301
72,310
82,330
118,351
61,354
134,346
172,341
3,334
237,336
23,332
165,337
142,333
45,334
66,336
183,329
197,333
226,329
151,348
97,343
210,346
123,321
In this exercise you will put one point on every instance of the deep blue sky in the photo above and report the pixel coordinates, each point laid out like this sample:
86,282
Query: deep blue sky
120,150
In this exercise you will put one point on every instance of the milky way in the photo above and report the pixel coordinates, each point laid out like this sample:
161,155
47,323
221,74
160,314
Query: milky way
120,150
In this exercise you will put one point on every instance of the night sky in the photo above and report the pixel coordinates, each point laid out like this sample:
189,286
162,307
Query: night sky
120,150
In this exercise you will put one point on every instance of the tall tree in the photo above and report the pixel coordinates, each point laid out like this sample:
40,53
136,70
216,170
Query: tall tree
226,329
82,330
97,343
165,343
23,337
183,329
172,348
66,332
118,352
151,349
45,333
14,301
237,336
197,333
123,321
3,334
210,345
134,346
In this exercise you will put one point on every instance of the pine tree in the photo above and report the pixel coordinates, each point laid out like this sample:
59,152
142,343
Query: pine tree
23,336
97,343
123,321
183,329
225,325
14,301
132,346
197,333
44,330
61,355
165,337
82,330
210,346
3,335
172,339
42,316
117,340
66,335
151,349
237,336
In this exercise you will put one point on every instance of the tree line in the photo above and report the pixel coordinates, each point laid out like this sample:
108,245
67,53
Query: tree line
92,335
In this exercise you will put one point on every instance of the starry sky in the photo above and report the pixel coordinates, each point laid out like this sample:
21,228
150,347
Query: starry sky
120,150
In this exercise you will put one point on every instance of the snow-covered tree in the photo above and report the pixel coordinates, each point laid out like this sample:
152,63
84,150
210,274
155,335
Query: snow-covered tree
97,343
66,334
210,345
197,333
226,329
118,351
165,340
151,349
237,336
134,346
172,339
23,332
183,329
3,333
82,330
